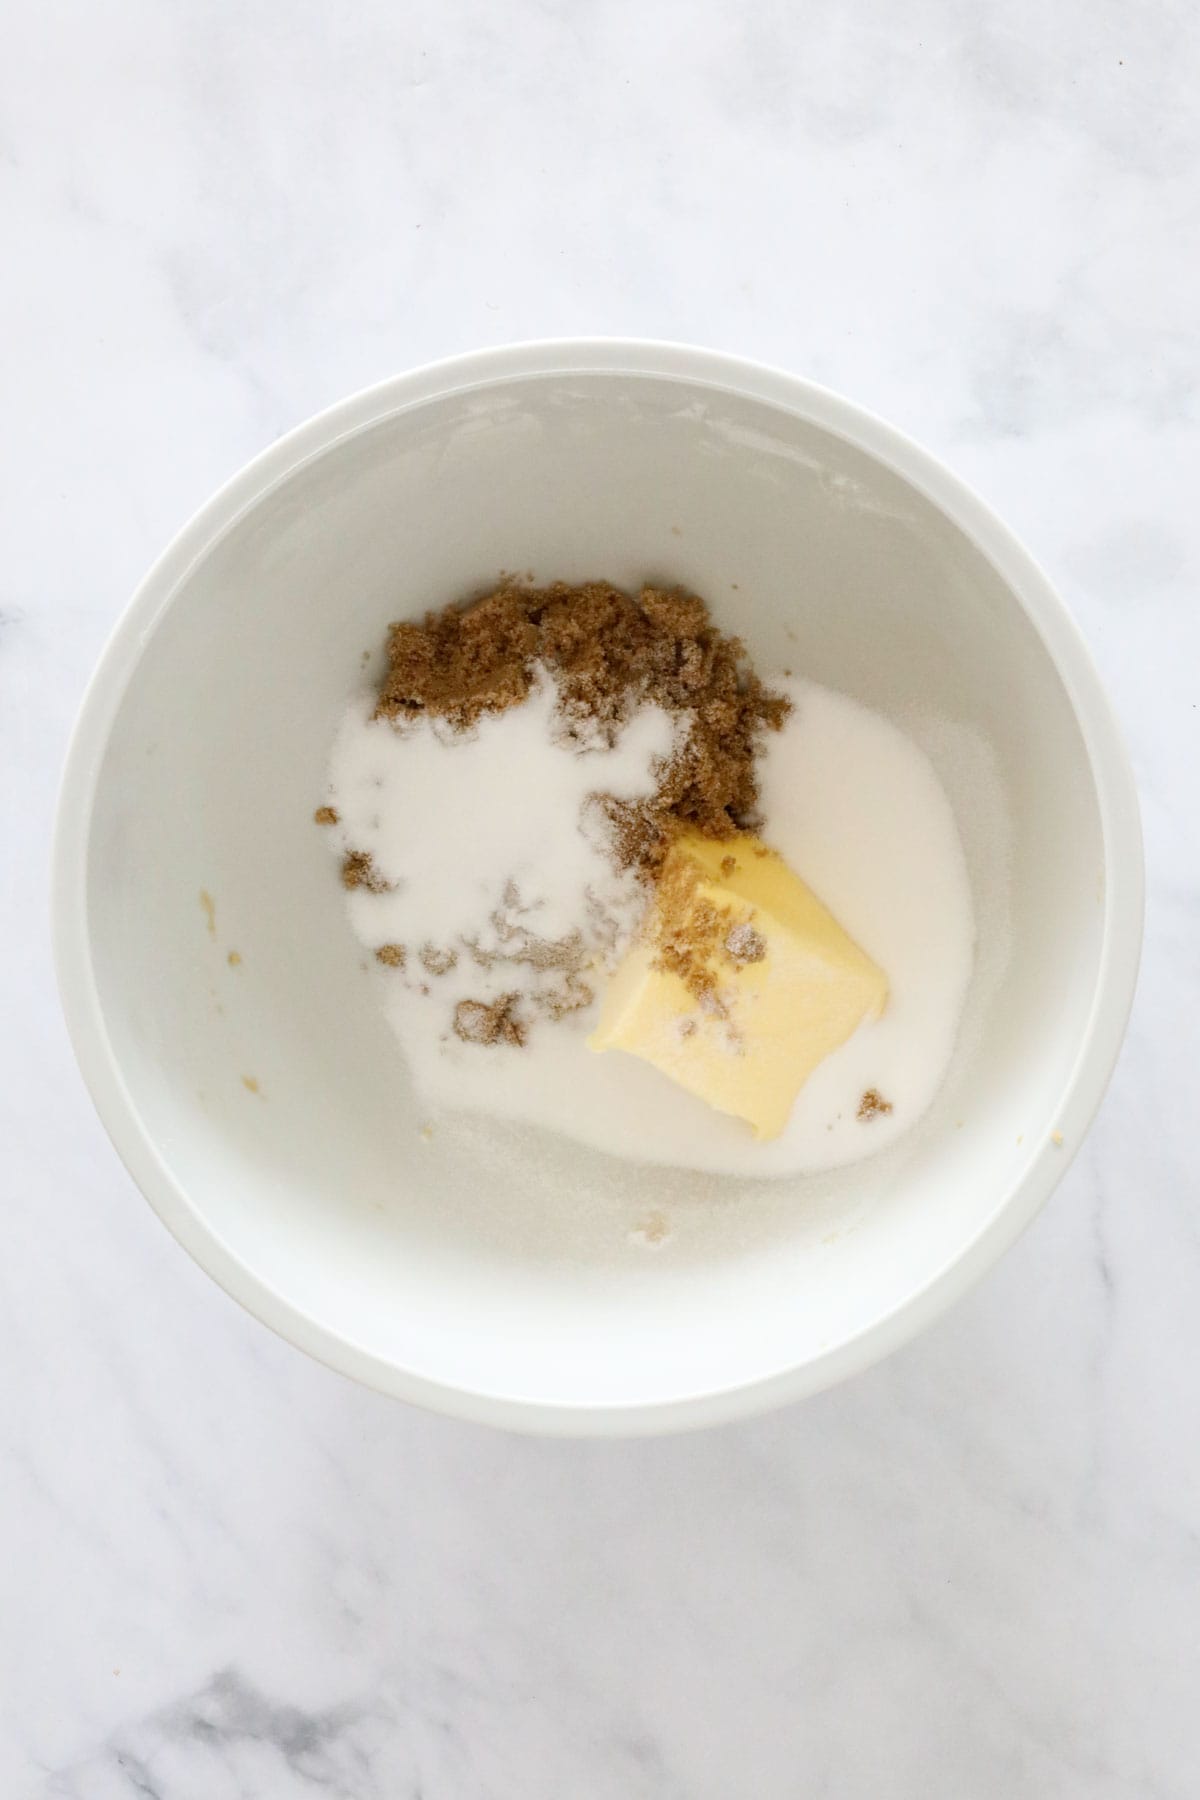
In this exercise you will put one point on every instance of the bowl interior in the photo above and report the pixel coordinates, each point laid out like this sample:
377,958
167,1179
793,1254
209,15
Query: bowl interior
485,1258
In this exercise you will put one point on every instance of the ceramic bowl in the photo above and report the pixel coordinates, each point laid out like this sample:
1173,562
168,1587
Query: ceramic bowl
216,998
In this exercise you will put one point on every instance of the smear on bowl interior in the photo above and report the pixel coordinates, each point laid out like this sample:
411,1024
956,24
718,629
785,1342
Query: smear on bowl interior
620,886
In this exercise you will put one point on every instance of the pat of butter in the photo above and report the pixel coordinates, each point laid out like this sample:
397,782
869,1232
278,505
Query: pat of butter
741,981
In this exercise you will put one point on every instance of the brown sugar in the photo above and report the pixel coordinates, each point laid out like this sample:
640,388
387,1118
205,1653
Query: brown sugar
475,1022
872,1105
571,994
744,945
394,956
609,652
358,870
326,815
437,961
689,949
694,938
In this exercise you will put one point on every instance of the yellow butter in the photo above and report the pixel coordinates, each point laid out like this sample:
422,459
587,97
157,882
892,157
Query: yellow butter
741,982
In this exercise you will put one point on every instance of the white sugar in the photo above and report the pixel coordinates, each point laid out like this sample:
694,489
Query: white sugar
494,860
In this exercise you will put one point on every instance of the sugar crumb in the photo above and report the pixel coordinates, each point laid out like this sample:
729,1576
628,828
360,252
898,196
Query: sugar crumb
437,961
652,1232
359,871
745,945
475,1022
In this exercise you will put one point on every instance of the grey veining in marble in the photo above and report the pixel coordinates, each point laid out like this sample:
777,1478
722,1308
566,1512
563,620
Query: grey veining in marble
972,1574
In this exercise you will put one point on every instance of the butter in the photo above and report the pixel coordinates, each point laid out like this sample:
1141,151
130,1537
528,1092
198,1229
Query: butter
740,983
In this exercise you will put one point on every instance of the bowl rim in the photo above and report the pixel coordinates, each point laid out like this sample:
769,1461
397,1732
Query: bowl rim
1032,590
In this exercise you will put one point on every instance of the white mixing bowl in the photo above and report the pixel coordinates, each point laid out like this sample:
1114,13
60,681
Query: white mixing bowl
262,1105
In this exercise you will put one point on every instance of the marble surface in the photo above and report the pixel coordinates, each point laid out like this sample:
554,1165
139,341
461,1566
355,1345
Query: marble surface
974,1572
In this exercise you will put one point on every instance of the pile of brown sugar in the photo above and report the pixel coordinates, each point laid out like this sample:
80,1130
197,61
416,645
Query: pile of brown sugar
608,652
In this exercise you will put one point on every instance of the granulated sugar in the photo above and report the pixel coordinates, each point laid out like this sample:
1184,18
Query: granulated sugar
480,868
